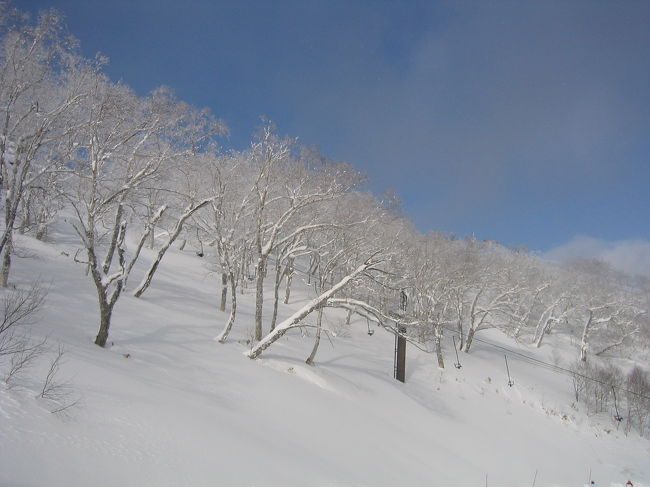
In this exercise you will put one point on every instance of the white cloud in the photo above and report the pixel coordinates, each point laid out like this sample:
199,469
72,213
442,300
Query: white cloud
629,256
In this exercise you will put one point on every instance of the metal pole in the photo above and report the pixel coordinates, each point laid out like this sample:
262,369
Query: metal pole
400,354
457,364
395,357
400,342
510,381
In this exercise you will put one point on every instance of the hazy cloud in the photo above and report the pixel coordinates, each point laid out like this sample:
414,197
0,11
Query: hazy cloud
629,256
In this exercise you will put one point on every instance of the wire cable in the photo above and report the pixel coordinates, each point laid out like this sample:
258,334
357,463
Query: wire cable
535,362
549,366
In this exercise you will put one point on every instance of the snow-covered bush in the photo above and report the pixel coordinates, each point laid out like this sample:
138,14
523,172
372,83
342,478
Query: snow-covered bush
18,351
637,385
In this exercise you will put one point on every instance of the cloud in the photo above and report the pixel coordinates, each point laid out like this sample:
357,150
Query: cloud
629,256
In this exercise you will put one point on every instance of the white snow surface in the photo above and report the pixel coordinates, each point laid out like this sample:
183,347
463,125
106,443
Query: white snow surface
167,405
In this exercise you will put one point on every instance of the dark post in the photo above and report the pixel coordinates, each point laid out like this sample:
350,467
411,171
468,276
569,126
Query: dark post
400,341
400,355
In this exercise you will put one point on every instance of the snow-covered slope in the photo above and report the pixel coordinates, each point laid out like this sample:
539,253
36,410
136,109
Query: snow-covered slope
166,405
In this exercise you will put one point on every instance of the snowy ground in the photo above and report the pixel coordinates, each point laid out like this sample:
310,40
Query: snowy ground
166,405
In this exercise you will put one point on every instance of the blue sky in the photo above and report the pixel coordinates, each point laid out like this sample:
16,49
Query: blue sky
523,122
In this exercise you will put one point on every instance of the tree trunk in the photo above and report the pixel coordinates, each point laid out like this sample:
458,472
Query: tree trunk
438,341
544,331
298,316
461,333
105,312
276,293
470,337
259,296
243,273
106,301
26,214
289,272
6,261
41,231
170,240
584,342
224,291
106,266
310,271
233,309
152,236
148,278
319,321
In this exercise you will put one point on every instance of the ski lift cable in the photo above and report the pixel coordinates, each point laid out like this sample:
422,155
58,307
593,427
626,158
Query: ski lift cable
527,358
552,367
556,368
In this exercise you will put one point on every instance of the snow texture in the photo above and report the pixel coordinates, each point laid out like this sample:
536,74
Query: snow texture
166,405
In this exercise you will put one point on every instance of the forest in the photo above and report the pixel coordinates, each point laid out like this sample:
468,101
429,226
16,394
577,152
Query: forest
129,172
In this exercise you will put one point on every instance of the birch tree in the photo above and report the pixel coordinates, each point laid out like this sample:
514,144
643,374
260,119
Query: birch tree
123,144
185,200
490,299
434,287
284,187
337,253
558,310
296,318
227,222
41,83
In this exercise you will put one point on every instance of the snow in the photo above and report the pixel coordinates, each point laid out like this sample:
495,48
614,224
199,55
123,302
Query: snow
166,405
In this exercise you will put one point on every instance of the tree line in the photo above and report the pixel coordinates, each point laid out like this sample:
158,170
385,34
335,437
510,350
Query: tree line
149,171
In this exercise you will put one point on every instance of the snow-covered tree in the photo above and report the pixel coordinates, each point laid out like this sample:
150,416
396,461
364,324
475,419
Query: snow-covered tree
123,143
286,187
295,320
41,84
227,221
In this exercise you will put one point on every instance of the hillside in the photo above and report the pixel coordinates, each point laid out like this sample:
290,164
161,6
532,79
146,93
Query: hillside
166,405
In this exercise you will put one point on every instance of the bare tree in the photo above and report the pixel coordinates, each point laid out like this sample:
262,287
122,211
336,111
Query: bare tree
284,189
434,286
41,205
284,264
227,222
487,302
637,385
18,312
41,84
558,310
189,210
183,179
295,320
335,254
123,143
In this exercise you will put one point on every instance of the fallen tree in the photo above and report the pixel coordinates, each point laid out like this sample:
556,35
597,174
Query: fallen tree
294,321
